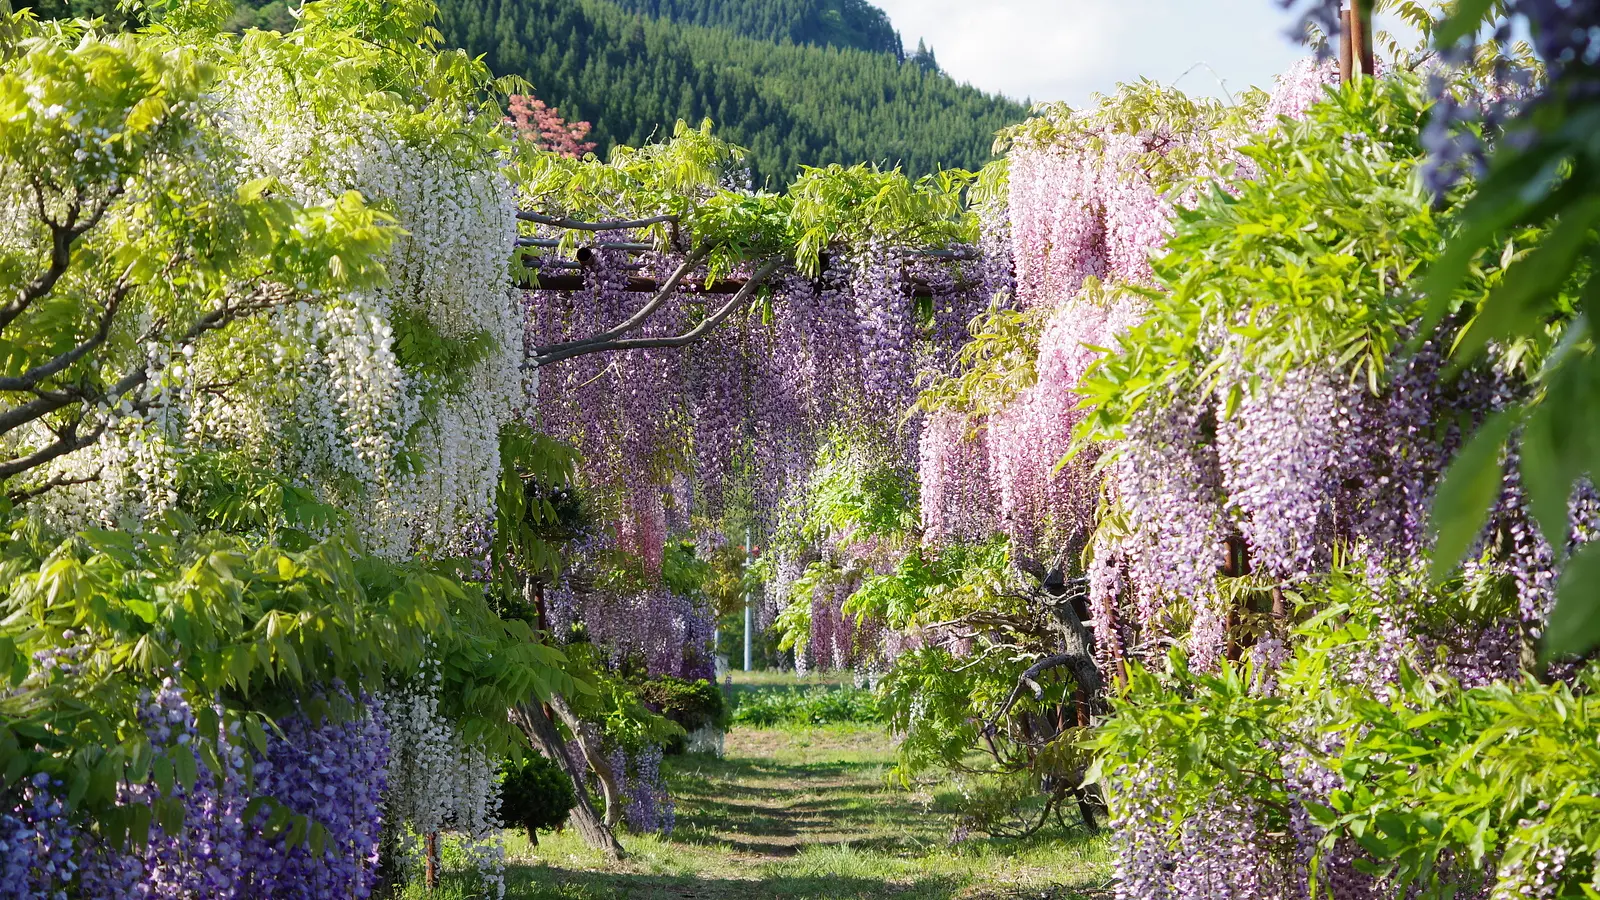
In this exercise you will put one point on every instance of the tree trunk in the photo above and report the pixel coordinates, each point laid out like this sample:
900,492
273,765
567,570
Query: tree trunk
588,740
542,734
1077,643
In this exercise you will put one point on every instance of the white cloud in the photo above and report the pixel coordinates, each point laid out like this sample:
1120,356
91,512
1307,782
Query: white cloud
1067,49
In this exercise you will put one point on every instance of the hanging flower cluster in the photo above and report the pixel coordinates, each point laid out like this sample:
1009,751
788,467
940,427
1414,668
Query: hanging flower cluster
438,780
390,401
668,633
1089,199
332,772
649,809
1092,197
1285,468
403,391
953,468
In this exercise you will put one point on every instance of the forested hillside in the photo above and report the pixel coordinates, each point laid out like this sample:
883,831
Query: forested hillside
797,82
823,23
792,105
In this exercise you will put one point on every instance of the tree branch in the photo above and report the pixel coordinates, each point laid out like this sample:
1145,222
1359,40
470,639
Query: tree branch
20,497
1027,680
62,237
67,441
29,379
260,298
44,405
694,334
552,243
637,319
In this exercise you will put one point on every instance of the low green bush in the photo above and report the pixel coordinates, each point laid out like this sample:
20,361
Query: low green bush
691,704
537,795
813,706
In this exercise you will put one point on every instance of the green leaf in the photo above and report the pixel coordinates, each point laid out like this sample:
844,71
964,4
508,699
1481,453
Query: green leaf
256,734
1467,18
208,754
1470,487
1320,815
161,774
1517,190
1551,453
77,785
1574,626
138,765
169,814
139,825
1476,847
277,820
144,609
298,828
1519,304
184,766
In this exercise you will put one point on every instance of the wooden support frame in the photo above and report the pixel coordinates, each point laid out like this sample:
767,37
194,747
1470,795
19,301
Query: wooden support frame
1356,54
641,285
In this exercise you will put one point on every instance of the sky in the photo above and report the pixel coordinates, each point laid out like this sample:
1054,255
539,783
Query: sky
1068,49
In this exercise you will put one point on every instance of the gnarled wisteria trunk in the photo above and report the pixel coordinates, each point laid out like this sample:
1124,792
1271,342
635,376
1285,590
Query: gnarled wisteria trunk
541,732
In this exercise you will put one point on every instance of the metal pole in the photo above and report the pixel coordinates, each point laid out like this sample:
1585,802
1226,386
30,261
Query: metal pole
747,617
1347,53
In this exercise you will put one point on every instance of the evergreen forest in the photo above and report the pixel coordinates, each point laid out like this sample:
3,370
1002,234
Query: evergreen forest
795,82
789,104
821,23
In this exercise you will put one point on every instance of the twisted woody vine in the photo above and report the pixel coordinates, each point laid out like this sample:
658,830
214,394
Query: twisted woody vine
1214,477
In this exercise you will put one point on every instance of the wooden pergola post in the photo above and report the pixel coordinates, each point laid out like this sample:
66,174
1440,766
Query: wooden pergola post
430,862
1356,56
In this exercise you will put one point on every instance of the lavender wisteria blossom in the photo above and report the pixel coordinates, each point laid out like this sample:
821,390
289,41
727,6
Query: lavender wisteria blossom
1565,35
332,772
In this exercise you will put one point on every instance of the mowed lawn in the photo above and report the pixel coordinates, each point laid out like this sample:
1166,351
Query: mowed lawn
805,813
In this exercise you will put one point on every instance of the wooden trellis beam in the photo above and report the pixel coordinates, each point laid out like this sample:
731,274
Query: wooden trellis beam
580,225
642,285
552,243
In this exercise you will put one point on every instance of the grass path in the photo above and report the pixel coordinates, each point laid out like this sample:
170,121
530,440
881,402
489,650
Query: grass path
806,814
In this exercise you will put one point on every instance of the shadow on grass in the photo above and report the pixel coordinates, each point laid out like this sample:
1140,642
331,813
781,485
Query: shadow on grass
538,882
550,883
791,819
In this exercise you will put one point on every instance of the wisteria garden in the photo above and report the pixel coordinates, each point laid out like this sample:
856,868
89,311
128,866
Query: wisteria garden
385,472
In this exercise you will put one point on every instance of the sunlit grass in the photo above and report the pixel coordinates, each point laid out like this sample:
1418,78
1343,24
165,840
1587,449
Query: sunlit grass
808,814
